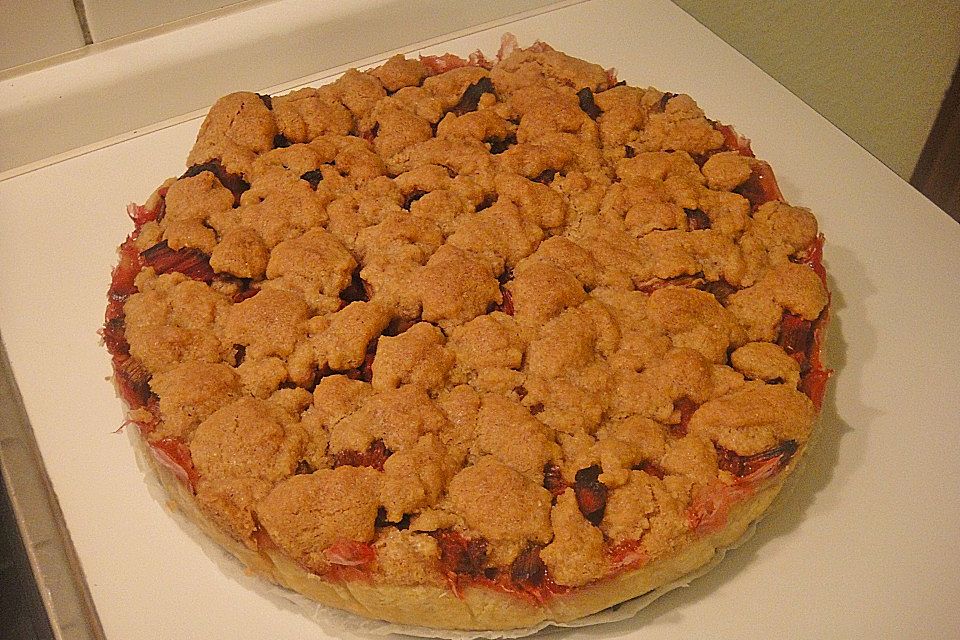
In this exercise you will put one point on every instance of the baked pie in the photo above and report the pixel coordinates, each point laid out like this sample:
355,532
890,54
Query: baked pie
471,343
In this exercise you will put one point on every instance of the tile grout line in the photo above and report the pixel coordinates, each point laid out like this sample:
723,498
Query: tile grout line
82,17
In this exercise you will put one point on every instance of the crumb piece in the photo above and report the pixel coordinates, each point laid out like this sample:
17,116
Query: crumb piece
498,234
416,356
682,373
680,127
755,418
262,376
397,128
728,212
481,126
693,457
490,341
399,72
343,345
537,202
406,558
778,232
727,170
766,361
189,203
398,417
785,287
572,258
541,290
547,67
502,506
172,320
448,87
240,452
694,319
276,214
456,287
575,557
241,253
189,393
267,324
414,478
315,265
570,404
358,92
644,509
307,514
237,128
506,430
304,114
659,166
641,208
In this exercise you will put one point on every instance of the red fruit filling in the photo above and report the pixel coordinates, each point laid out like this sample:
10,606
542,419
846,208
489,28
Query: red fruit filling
174,454
697,219
528,567
686,407
507,305
553,479
587,104
375,456
191,262
591,494
471,97
759,465
628,554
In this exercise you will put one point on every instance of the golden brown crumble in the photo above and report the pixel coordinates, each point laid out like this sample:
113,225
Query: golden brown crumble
432,292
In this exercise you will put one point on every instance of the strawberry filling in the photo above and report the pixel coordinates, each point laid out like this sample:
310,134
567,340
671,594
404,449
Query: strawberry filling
191,262
553,479
507,305
375,456
528,567
464,560
471,97
349,560
441,64
686,407
174,454
350,553
587,104
591,494
733,141
628,554
697,219
758,466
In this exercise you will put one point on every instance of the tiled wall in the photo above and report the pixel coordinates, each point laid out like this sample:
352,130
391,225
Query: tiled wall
22,22
32,30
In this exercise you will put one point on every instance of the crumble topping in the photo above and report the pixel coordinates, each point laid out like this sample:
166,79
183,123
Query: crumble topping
484,321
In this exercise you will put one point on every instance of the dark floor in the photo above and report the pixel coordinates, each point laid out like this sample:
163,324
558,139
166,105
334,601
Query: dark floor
21,610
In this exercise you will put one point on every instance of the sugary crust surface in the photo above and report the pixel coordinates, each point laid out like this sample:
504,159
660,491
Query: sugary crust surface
471,346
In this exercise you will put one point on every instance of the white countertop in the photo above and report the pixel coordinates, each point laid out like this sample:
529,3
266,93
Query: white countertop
864,546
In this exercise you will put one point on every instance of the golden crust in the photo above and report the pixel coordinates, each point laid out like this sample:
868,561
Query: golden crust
474,607
459,348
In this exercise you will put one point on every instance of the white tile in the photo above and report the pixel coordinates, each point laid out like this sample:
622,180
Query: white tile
112,18
35,29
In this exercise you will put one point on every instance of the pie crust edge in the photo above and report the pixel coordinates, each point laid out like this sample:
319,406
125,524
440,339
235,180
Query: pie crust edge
476,606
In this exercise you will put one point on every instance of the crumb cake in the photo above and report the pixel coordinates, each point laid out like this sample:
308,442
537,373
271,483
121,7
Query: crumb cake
470,343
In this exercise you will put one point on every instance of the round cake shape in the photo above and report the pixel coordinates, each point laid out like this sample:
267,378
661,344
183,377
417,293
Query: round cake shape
471,344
